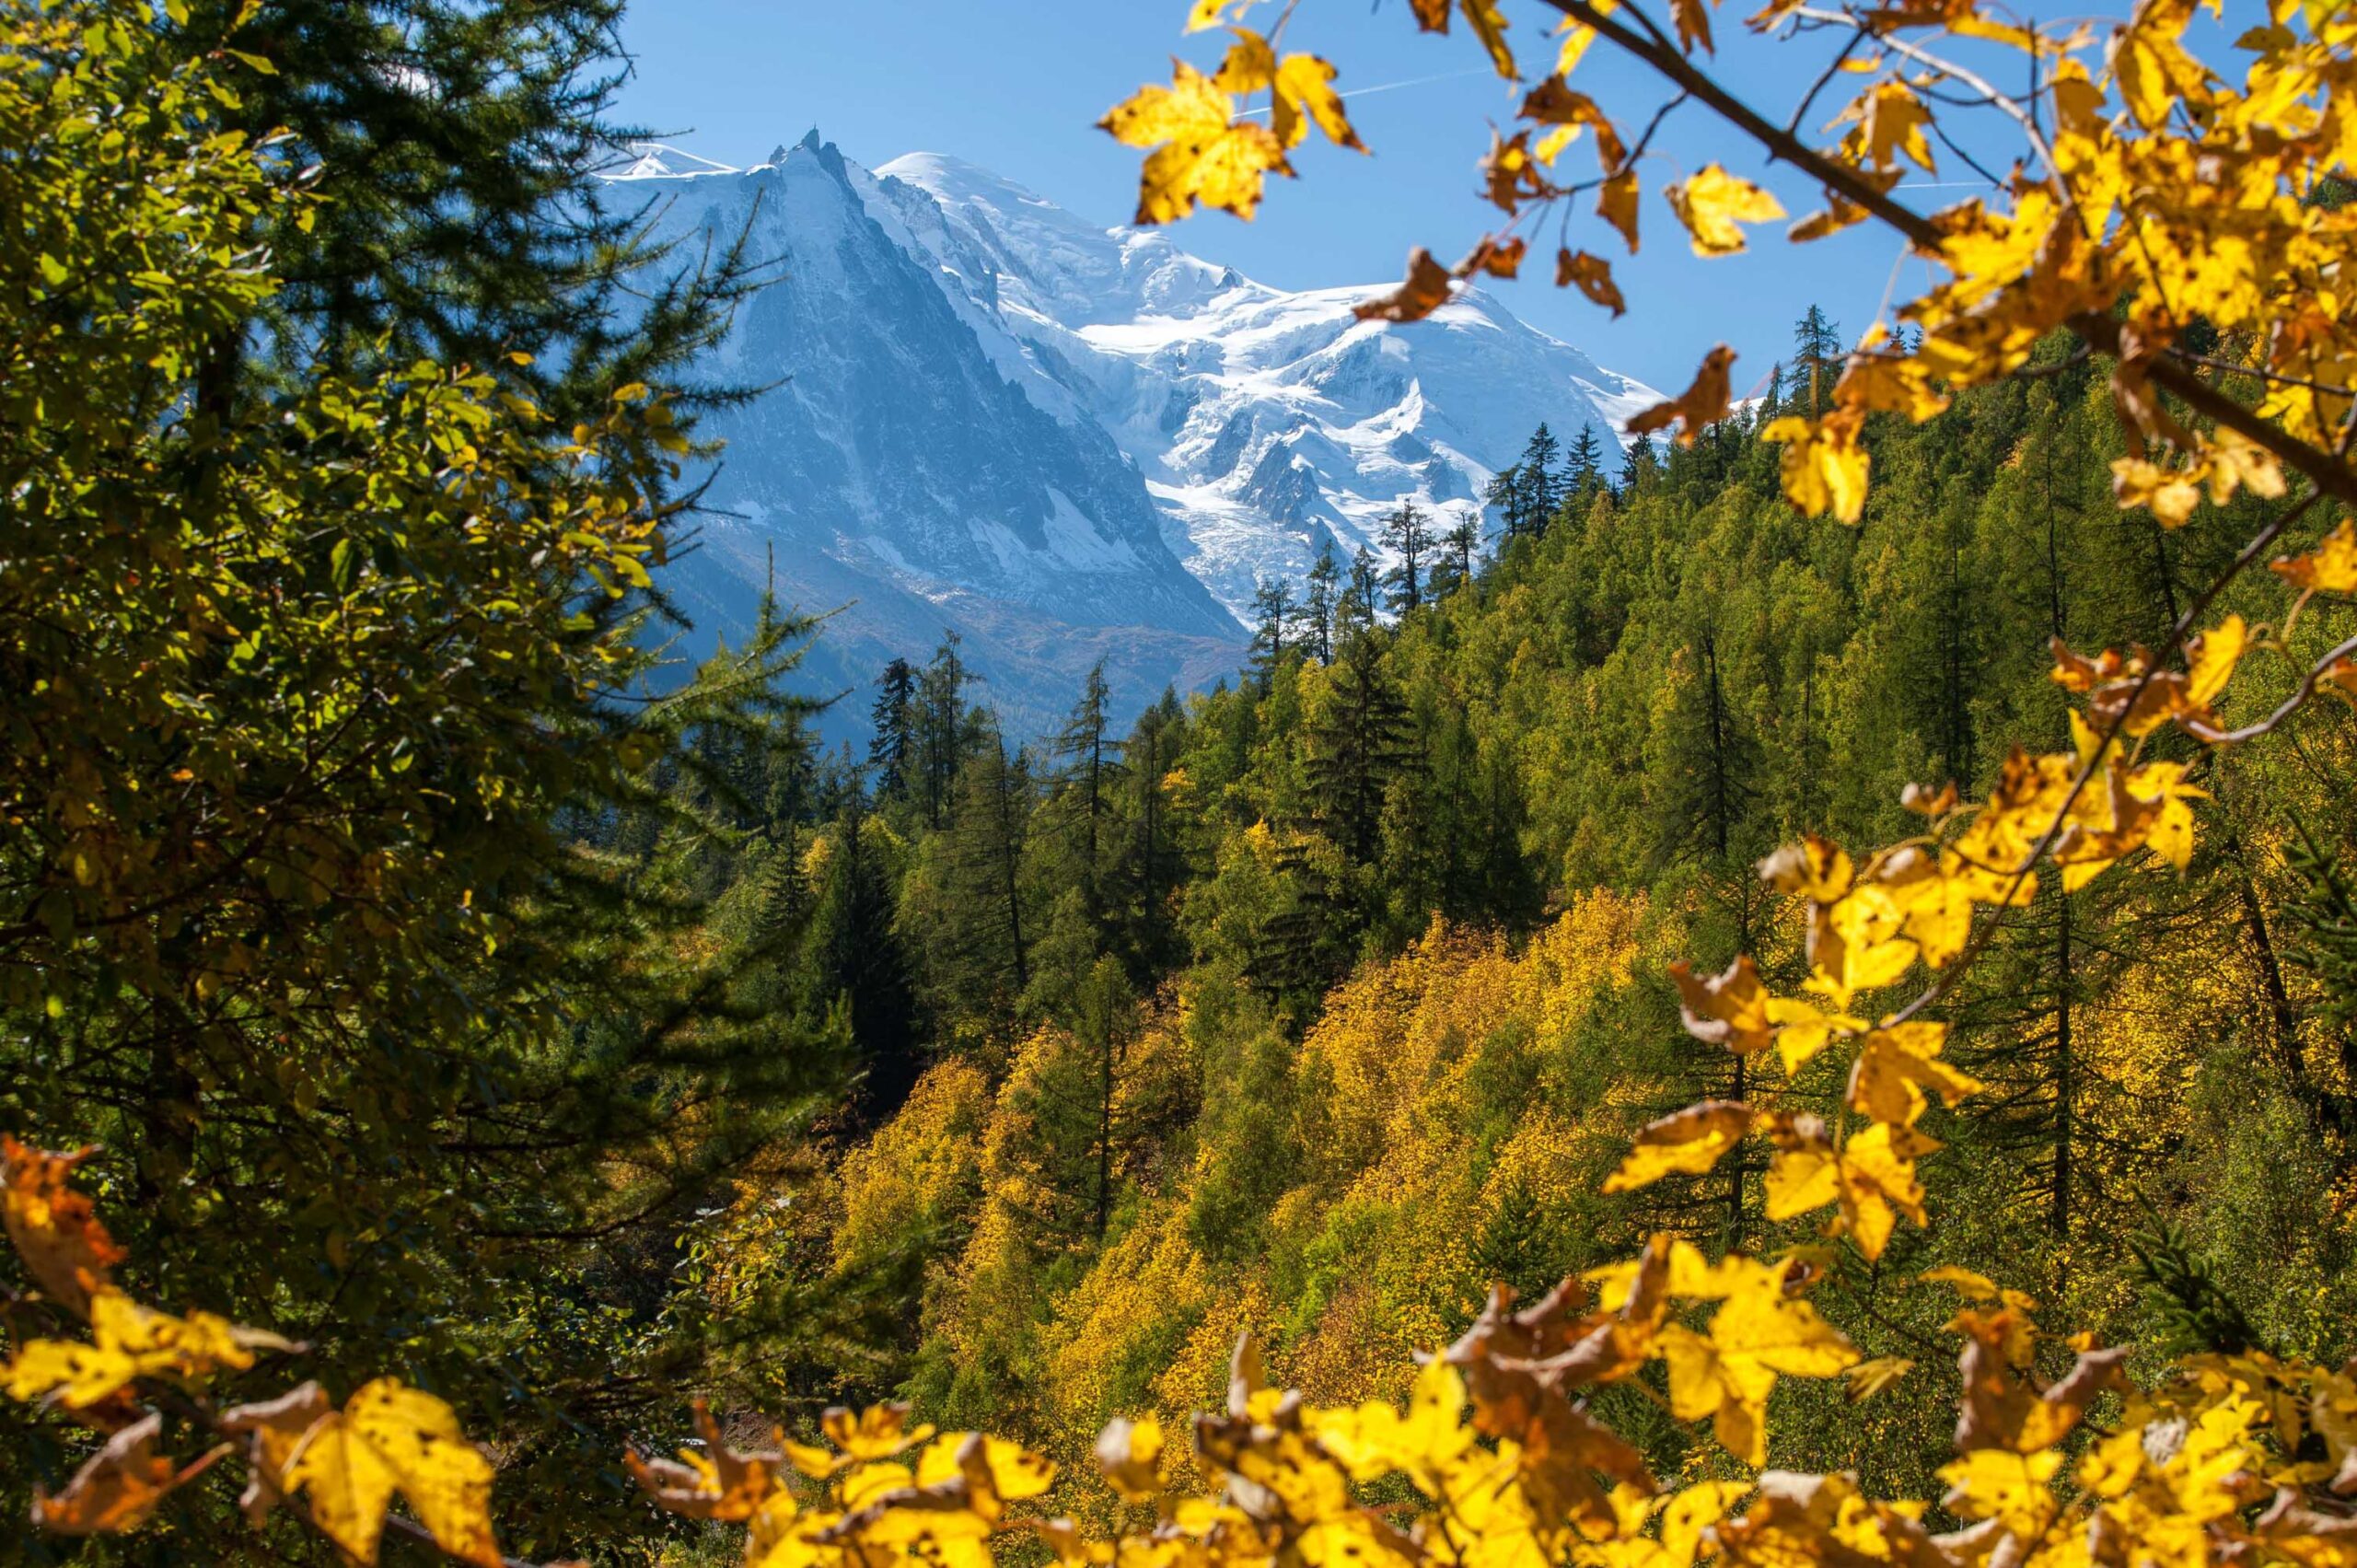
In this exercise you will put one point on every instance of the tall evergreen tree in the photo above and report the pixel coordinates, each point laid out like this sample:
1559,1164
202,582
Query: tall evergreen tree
1816,359
1355,612
1272,624
1409,532
1358,744
892,748
1319,601
1639,464
942,729
458,147
1092,759
1543,482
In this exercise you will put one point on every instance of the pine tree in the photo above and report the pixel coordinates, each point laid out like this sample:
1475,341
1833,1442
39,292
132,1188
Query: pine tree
1357,745
458,147
1273,610
1354,612
1410,534
1639,465
1817,358
1584,468
1093,768
1506,492
942,729
892,750
1453,567
1318,603
1543,484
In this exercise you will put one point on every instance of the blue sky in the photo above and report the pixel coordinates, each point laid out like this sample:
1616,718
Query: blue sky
1016,87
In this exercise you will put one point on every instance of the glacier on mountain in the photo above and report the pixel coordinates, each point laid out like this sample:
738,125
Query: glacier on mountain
1065,442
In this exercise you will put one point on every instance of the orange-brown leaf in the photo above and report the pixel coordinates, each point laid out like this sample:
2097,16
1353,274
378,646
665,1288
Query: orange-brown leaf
1426,290
1592,275
55,1228
119,1487
1702,403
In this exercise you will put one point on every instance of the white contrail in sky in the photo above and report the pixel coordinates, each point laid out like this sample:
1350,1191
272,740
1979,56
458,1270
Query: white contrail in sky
1393,87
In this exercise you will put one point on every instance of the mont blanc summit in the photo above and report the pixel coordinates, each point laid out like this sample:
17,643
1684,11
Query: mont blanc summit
1066,442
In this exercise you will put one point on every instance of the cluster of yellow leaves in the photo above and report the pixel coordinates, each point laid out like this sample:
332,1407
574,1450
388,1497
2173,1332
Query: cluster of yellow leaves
344,1465
1868,926
2153,193
1501,1464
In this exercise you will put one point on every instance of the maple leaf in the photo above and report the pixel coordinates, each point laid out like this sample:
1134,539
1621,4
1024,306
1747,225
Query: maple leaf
1499,257
721,1482
1802,1029
1815,868
1895,1067
120,1486
2330,567
1303,87
1729,1009
1204,15
1616,204
2002,1407
1872,1177
1426,1444
1702,403
1427,288
1593,275
1990,1483
876,1432
1690,1140
1714,201
1202,153
348,1464
1489,25
1129,1454
1875,379
1823,468
55,1228
1854,945
1757,1334
1839,212
1871,1378
1553,102
1888,123
2151,65
128,1341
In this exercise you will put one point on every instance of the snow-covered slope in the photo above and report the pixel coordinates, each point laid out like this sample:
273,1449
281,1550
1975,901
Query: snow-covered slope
1060,439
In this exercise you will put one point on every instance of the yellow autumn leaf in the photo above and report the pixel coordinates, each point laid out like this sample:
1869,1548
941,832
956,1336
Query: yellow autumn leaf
1990,1483
1823,468
1886,124
1305,89
1689,1142
2330,567
348,1466
1202,154
1714,201
128,1341
1896,1067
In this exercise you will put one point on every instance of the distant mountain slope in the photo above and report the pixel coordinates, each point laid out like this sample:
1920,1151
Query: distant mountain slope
1062,441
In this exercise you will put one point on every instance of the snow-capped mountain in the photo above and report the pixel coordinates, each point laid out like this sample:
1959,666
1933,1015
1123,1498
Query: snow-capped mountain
1065,442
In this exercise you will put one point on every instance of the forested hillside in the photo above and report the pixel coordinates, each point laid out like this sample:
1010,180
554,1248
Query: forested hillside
1313,1005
